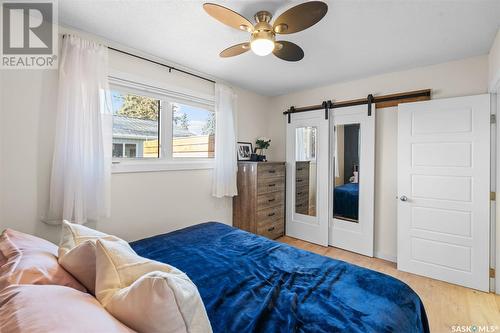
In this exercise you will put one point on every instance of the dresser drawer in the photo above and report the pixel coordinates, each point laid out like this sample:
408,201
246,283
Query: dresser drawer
301,171
267,215
270,200
301,199
270,170
301,180
301,192
267,185
302,207
272,229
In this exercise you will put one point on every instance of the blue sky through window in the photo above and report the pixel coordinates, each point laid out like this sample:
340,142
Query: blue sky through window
116,100
197,117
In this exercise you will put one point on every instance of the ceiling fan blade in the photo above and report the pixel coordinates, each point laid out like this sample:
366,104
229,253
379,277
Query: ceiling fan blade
235,50
300,17
228,17
288,51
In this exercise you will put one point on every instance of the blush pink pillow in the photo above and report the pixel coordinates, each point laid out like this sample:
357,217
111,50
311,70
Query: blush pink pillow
55,309
3,260
31,260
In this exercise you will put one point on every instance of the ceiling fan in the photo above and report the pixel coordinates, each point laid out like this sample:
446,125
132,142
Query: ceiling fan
263,34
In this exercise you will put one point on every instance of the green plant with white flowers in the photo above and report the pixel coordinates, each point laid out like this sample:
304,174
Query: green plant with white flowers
262,143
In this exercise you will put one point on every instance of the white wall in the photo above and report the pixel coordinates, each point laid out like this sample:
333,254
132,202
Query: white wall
494,64
143,204
457,78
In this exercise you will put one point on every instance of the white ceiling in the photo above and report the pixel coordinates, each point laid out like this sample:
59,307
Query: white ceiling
356,38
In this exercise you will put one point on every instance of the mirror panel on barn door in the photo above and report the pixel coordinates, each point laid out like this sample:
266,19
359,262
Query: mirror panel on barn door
305,170
346,192
307,180
352,179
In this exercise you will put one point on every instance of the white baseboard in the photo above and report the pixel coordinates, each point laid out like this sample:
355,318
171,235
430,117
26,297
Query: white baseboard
384,256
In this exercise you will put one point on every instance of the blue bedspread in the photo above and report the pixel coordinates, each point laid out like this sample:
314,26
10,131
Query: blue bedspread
346,200
252,284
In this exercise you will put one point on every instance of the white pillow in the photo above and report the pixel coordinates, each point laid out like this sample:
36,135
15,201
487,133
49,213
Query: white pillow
146,295
77,252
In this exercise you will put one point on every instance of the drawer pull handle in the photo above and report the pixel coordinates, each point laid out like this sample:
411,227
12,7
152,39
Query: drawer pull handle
299,193
299,180
272,171
271,200
270,229
300,169
271,185
299,205
271,214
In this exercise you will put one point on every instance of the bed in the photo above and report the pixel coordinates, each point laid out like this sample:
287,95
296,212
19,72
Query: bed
251,284
346,200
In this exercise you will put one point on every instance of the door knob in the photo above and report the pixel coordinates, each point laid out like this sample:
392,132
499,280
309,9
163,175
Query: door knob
403,198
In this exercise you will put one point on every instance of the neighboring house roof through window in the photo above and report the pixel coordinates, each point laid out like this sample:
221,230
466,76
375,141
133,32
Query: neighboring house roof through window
141,129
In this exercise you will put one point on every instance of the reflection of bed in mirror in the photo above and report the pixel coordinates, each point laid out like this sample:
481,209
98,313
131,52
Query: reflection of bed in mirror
345,201
346,187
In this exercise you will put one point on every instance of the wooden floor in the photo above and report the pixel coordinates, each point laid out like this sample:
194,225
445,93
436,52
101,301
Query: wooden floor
446,304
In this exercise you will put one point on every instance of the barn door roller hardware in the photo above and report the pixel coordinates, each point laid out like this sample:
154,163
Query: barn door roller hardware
369,99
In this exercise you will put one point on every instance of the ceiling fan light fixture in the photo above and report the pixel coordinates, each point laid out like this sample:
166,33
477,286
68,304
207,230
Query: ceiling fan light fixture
262,42
262,46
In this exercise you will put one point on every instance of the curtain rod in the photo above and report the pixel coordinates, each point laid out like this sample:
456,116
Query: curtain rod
170,68
326,105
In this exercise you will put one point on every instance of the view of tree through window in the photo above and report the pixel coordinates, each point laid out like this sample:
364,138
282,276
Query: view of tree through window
193,131
135,126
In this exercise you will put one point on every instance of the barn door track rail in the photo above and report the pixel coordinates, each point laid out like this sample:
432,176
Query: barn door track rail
383,101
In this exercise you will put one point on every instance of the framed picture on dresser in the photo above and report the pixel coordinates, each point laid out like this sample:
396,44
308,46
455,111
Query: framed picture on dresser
244,150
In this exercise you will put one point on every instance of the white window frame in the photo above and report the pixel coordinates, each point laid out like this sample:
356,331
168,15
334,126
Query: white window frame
166,161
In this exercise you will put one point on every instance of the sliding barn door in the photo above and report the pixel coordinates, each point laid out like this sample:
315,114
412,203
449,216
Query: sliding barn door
353,179
307,177
444,189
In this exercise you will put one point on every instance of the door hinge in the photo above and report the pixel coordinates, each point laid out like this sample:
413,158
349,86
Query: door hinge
493,118
493,196
492,273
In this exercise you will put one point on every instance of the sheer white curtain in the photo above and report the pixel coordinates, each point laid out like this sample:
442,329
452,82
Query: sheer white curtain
81,167
226,167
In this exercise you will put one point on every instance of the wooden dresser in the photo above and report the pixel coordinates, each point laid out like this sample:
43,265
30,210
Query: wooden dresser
259,206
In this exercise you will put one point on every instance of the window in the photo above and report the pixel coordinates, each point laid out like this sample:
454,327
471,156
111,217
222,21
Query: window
136,123
193,131
153,124
125,150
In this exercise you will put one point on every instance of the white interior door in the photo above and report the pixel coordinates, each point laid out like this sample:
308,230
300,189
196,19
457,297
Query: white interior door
307,177
352,179
443,189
